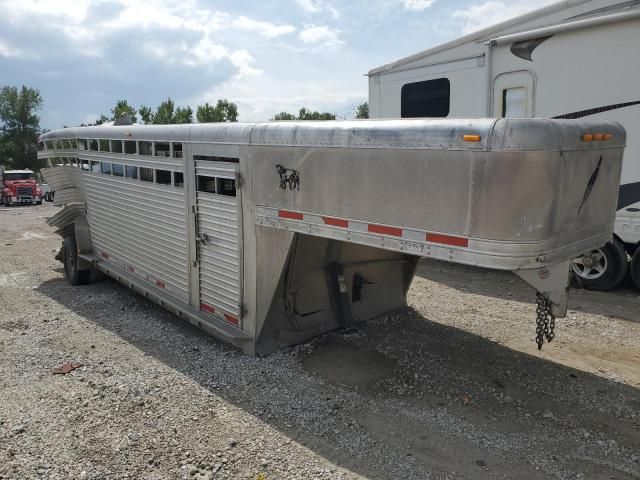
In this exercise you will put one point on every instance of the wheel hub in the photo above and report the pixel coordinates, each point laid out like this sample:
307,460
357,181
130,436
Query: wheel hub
590,266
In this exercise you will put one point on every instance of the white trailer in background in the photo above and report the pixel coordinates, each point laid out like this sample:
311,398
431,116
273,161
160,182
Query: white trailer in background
570,60
268,234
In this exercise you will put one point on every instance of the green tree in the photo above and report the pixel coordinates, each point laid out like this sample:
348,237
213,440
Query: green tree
123,109
19,126
362,110
305,114
183,115
164,113
284,116
224,111
146,114
103,118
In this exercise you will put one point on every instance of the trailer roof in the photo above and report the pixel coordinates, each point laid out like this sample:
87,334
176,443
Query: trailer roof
428,134
510,25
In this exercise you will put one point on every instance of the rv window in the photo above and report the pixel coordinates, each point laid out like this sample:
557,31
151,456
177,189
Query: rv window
146,174
95,167
93,145
163,177
178,179
206,184
163,149
177,150
116,146
118,170
130,147
226,186
82,144
425,99
105,167
513,103
132,172
144,148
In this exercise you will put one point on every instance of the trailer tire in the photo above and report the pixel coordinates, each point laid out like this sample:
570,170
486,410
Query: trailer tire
70,261
605,269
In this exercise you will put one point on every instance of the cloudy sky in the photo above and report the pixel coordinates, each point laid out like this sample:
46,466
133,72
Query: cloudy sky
266,56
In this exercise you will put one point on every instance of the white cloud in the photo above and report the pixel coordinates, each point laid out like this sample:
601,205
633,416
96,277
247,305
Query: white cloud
7,50
417,5
265,29
318,6
320,35
477,17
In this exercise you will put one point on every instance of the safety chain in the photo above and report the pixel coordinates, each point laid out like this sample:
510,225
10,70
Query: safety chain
545,321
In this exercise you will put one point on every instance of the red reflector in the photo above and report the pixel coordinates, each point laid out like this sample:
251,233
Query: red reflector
131,269
336,222
447,239
160,284
291,215
207,308
231,319
104,255
373,228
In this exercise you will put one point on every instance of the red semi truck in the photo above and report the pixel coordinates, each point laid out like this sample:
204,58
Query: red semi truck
19,187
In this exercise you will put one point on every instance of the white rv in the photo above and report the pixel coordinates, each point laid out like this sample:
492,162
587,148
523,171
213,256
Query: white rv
573,59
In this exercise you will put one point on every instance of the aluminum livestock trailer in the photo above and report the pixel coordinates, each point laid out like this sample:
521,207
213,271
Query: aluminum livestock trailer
268,234
572,59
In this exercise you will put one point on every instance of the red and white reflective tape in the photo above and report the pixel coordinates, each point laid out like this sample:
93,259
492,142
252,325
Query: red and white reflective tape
229,318
364,227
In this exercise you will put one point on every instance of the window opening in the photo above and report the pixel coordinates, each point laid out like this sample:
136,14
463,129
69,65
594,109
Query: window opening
132,172
206,184
146,174
130,147
163,177
178,179
226,186
144,148
163,149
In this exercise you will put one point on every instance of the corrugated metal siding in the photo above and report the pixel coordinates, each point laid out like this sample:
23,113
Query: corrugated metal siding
220,258
143,225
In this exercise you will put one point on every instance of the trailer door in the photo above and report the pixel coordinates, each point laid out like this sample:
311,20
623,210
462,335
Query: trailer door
219,230
513,95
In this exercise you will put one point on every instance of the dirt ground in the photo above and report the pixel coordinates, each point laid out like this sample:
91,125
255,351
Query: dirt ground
451,388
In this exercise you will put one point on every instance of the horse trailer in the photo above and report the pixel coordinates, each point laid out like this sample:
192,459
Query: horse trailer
570,60
268,234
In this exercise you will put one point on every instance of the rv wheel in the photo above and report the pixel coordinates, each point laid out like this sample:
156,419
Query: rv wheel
70,261
634,268
602,268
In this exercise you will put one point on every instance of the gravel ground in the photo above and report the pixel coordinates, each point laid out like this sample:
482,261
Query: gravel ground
450,388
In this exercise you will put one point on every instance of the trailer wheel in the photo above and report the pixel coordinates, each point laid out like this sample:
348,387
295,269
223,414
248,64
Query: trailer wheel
602,268
70,261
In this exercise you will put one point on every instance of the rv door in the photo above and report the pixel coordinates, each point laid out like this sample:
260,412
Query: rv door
513,95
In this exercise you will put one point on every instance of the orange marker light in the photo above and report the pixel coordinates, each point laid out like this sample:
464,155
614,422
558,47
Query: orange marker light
597,137
471,138
587,137
607,136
